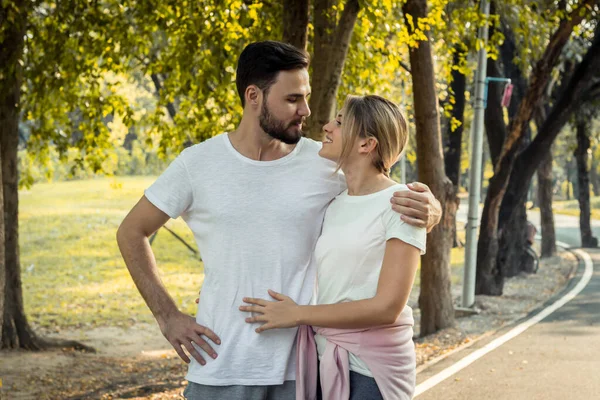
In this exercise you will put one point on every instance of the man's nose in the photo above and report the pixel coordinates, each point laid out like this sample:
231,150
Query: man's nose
304,110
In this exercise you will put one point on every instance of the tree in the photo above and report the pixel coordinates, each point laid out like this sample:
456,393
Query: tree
331,43
512,247
546,212
594,175
582,84
545,197
2,241
13,18
490,279
583,119
454,133
295,22
435,298
27,69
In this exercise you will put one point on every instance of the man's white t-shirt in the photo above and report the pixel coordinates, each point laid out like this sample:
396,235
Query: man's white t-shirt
350,251
256,224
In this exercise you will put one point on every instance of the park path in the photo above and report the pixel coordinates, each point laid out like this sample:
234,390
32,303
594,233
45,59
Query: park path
557,358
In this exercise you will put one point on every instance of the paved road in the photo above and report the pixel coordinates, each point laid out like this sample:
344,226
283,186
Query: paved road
567,227
558,358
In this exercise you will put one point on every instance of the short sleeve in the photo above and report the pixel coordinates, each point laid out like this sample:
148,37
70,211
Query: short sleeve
396,228
172,192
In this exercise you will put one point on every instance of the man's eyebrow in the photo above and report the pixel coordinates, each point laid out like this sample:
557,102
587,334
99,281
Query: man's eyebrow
298,94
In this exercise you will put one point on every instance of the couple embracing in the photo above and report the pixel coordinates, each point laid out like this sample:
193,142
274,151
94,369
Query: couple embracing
310,250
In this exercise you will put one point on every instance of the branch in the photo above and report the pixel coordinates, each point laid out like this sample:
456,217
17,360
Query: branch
181,240
592,93
158,86
539,78
405,67
567,103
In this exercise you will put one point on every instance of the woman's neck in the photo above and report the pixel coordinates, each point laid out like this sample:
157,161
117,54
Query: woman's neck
362,181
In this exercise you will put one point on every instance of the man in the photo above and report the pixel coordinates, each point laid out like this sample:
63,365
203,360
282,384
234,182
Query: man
255,200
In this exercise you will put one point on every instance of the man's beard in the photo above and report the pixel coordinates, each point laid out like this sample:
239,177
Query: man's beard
277,129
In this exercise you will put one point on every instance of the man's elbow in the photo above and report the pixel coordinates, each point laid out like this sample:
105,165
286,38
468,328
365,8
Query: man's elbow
125,234
120,234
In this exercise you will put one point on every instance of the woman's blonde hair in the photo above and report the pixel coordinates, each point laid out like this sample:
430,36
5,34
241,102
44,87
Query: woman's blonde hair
376,117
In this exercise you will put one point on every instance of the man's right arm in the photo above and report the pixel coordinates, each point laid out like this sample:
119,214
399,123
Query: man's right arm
179,329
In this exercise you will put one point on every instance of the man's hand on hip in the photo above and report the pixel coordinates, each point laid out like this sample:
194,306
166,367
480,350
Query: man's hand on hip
417,206
181,331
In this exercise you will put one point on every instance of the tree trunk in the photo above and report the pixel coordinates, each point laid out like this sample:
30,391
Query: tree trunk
489,279
295,22
129,139
546,214
495,128
453,152
331,45
15,328
583,182
594,176
533,197
512,257
435,299
2,241
512,240
568,187
16,332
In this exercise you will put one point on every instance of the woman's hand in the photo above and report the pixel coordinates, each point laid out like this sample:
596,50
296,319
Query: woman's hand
282,313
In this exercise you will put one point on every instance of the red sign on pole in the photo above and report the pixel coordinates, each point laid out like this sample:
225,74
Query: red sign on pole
506,95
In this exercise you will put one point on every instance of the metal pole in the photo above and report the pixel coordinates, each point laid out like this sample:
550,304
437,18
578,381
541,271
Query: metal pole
468,297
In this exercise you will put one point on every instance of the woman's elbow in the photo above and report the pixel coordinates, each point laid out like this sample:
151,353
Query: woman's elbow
389,313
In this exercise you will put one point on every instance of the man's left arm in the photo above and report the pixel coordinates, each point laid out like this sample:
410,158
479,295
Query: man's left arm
417,206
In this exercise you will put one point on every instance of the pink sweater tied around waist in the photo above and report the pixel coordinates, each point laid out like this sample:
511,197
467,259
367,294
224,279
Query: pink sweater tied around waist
388,351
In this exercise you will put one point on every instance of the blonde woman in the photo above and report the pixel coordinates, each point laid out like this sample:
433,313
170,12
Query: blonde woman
366,263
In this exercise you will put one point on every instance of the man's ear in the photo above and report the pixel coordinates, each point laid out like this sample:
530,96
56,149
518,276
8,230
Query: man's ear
367,145
253,95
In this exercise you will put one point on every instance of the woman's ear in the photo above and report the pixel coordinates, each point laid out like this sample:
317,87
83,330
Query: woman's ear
367,145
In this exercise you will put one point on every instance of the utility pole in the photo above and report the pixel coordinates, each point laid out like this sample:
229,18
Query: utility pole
468,297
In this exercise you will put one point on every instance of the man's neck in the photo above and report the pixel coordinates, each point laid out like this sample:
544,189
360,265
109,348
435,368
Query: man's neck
252,142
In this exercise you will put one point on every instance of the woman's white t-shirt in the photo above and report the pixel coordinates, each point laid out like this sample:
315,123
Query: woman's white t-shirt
350,250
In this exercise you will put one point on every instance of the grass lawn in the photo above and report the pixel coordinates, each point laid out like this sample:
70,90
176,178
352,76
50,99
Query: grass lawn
571,207
73,274
72,271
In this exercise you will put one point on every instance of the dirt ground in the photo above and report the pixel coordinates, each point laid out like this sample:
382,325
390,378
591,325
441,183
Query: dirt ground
138,363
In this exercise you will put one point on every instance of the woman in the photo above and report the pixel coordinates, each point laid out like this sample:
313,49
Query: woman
366,263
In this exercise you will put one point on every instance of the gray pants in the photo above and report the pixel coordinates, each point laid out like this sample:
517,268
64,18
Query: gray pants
286,391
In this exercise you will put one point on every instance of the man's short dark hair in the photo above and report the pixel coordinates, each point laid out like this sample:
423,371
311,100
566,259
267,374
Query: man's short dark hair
260,62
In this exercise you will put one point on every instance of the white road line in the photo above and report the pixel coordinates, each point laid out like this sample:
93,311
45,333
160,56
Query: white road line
453,369
561,244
